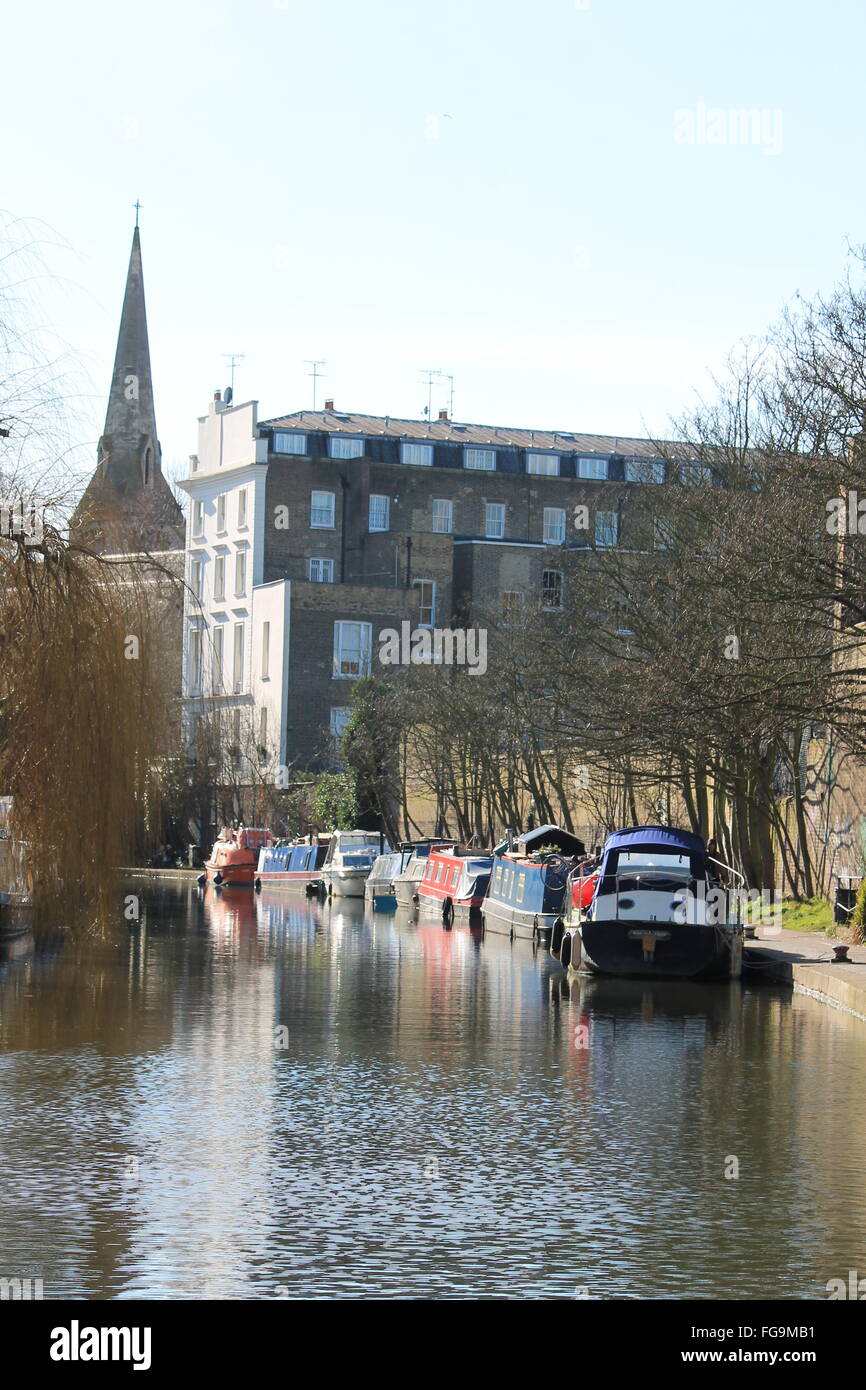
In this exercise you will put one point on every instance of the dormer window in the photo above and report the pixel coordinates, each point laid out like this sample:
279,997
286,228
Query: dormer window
343,448
420,455
546,464
290,443
483,460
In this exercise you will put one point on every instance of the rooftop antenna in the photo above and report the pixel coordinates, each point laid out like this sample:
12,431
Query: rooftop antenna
315,373
234,359
449,378
430,373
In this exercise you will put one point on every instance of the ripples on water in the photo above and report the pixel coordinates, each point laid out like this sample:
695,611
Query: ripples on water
258,1098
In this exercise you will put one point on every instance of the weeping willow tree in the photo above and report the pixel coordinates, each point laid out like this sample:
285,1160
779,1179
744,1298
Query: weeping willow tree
85,719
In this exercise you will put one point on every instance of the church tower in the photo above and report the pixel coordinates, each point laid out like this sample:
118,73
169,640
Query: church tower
128,506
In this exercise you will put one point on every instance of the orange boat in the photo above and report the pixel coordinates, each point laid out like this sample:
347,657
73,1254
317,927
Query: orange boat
234,857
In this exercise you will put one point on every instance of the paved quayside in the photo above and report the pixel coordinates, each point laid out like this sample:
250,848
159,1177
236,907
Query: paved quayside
805,959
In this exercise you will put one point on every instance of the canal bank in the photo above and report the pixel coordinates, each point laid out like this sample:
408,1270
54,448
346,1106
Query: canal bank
805,961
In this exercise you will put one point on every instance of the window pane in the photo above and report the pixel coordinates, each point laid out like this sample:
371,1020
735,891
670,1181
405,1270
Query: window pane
606,528
240,574
290,443
221,512
427,602
238,673
551,589
485,459
380,508
644,471
442,515
342,448
554,525
266,650
421,455
352,646
242,507
494,520
218,637
321,570
195,661
543,463
592,468
322,509
693,472
219,577
197,518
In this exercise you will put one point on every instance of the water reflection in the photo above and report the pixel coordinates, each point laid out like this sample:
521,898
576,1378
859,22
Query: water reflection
257,1096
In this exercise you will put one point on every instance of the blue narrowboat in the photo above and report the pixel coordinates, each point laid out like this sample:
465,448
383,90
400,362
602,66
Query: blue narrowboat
528,884
291,864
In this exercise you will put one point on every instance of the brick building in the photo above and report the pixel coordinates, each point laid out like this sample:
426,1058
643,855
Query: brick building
310,533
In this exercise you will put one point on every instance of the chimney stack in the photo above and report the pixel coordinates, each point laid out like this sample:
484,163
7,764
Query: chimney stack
217,395
443,414
329,405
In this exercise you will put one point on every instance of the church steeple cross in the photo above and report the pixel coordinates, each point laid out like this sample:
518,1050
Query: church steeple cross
136,205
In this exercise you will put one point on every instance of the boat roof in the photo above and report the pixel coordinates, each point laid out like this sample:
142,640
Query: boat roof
666,836
531,840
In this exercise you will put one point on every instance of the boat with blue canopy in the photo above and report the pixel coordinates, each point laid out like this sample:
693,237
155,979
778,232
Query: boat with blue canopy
661,906
291,864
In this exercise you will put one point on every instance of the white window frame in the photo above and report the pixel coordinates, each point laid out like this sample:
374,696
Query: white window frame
341,446
238,658
544,465
266,651
443,516
423,453
285,443
196,577
197,516
221,514
322,509
338,719
554,526
240,574
480,460
242,509
592,470
217,658
325,567
492,511
603,531
196,644
379,515
426,608
219,578
353,646
644,471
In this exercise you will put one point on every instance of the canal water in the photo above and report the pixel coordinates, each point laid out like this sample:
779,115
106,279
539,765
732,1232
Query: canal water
256,1097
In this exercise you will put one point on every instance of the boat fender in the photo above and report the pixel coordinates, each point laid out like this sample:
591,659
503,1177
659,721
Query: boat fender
565,951
448,913
556,937
258,885
201,880
217,878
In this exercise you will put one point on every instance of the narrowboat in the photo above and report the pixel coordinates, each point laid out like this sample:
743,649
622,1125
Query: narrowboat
659,908
454,882
16,881
379,889
291,864
529,882
234,857
348,862
407,881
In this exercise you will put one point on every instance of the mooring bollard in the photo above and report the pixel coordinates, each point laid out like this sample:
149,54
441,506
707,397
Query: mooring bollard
840,956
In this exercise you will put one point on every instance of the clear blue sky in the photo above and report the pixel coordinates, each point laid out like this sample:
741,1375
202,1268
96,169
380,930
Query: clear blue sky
488,187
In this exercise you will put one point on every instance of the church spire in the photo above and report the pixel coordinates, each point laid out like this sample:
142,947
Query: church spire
129,448
128,501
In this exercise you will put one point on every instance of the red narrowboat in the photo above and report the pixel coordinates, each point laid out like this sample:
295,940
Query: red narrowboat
234,857
454,883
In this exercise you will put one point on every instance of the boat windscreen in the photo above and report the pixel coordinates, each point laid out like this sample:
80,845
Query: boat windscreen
646,859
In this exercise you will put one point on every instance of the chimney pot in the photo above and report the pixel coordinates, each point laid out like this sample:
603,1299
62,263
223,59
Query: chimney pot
217,395
443,414
329,405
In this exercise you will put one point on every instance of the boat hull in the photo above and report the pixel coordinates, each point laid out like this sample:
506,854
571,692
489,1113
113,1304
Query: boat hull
660,950
345,883
462,910
510,921
303,882
231,875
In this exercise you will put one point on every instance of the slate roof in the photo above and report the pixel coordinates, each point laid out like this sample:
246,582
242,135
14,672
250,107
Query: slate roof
491,436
